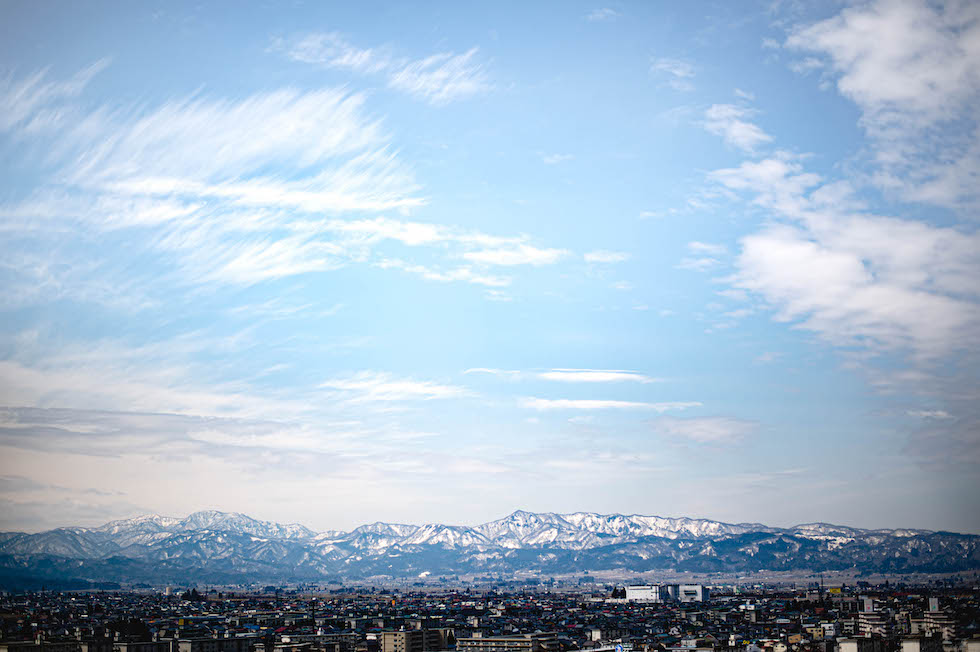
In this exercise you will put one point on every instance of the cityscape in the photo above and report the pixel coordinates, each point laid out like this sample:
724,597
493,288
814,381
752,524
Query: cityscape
490,615
217,602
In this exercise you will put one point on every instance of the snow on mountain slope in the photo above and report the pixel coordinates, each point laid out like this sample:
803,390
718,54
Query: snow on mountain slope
239,542
63,542
235,522
149,529
450,536
387,529
635,525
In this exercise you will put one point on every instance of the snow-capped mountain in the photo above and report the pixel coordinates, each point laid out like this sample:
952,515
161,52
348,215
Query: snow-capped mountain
147,529
232,547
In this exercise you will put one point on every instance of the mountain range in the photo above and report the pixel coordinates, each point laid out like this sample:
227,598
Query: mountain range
232,548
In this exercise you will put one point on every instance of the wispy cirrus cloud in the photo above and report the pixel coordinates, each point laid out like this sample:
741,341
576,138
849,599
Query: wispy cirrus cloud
465,274
505,373
677,72
711,248
536,403
380,386
441,78
601,15
704,256
437,79
606,257
554,159
192,175
930,414
36,102
516,254
595,376
569,375
704,430
334,50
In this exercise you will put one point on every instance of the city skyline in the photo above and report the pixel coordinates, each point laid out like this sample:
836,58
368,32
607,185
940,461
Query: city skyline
336,264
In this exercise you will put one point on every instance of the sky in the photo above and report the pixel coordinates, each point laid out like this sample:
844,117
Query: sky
335,263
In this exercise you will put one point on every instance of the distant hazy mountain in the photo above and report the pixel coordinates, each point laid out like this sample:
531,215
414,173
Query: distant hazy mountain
220,547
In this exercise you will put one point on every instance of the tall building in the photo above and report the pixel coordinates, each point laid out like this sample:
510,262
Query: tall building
873,623
645,593
667,593
688,592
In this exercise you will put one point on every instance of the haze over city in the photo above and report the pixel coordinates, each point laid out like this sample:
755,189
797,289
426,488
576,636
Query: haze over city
333,264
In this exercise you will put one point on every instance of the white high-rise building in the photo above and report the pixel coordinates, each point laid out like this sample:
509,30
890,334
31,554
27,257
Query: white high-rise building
644,593
667,593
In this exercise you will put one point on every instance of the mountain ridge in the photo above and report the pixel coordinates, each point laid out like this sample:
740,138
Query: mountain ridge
233,547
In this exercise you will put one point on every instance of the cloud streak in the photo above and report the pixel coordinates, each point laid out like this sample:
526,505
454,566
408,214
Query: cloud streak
438,79
379,386
192,174
678,73
542,404
704,430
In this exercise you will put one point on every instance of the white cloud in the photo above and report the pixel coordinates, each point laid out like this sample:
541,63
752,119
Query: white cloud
704,430
851,298
464,274
901,59
504,373
679,73
333,50
727,121
438,79
707,248
595,376
856,278
553,159
205,140
376,229
34,103
913,69
108,376
930,414
516,254
700,264
380,386
192,174
606,257
441,78
603,14
767,357
569,375
602,404
778,182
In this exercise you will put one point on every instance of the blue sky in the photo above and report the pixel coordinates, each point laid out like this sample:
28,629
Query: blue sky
342,263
